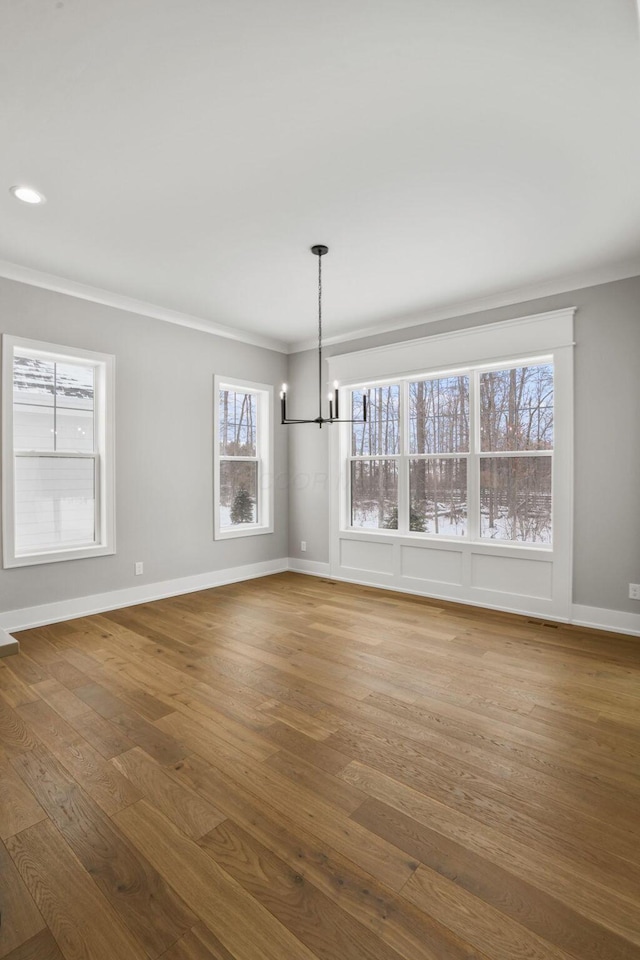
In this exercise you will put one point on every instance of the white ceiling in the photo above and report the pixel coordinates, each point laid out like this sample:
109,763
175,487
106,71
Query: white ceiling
445,150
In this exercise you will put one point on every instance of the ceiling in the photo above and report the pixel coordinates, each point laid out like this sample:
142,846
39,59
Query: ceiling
447,151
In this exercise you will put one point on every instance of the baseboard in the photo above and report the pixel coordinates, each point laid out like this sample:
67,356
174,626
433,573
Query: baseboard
314,568
597,618
14,620
8,645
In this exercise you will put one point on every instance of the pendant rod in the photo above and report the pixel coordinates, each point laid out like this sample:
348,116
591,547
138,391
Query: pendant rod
320,337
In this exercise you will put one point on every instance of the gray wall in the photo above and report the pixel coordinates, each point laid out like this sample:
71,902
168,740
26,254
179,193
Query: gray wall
164,394
164,449
607,437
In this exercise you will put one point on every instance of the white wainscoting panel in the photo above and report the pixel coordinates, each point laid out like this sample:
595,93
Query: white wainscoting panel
440,566
367,557
511,575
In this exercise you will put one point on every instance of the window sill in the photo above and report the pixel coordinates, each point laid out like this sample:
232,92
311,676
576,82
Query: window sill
73,553
248,530
433,540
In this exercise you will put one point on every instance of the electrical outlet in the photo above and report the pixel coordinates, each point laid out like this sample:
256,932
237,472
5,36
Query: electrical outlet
634,591
139,568
303,545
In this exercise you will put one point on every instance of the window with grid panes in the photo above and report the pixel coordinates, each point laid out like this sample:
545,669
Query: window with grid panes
463,454
243,451
58,451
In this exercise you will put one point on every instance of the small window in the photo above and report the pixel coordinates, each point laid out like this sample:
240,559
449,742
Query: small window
243,454
57,453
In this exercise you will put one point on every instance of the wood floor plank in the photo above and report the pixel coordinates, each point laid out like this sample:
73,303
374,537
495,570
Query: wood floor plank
13,690
79,916
189,812
159,745
499,742
616,913
319,782
66,674
20,918
244,740
490,802
326,820
302,722
313,751
103,735
41,947
305,763
63,701
365,898
15,737
97,776
243,925
198,944
100,733
312,916
487,929
25,668
18,806
151,910
504,891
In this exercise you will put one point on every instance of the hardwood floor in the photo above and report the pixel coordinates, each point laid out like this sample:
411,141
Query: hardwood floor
296,769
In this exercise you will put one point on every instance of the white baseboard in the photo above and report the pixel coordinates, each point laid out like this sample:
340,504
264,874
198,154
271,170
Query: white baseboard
14,620
618,621
8,645
313,568
596,618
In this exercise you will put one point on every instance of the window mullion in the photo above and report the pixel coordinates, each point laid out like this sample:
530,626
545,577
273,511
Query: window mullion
403,466
473,461
57,454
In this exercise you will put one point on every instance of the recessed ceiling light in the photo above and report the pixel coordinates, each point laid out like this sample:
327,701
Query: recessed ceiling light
27,194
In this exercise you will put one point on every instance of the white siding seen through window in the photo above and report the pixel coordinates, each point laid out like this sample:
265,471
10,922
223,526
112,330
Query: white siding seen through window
58,488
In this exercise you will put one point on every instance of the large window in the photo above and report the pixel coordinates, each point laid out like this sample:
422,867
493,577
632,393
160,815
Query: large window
462,454
57,453
243,453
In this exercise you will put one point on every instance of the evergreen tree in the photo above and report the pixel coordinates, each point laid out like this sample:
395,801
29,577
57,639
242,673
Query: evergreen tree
416,522
242,507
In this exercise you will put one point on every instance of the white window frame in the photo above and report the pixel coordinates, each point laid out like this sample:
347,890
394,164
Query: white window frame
264,458
103,455
473,456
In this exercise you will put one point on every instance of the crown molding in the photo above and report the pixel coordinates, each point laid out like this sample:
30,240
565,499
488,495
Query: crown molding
48,281
618,271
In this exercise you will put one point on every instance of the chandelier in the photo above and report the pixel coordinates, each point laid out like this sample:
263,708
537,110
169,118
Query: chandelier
334,414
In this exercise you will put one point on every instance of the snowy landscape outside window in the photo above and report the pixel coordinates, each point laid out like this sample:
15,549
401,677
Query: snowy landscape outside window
242,459
516,444
467,454
56,489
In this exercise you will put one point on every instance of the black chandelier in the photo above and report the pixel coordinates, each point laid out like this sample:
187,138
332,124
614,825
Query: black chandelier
334,417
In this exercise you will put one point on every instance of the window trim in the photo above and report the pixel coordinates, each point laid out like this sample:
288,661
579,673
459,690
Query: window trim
264,458
103,454
522,578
